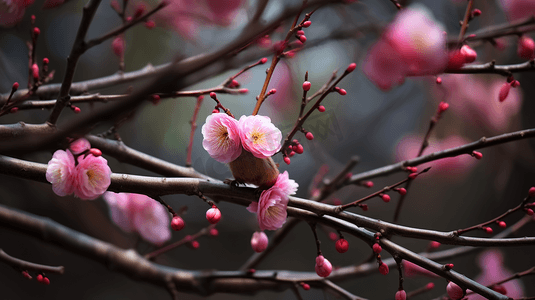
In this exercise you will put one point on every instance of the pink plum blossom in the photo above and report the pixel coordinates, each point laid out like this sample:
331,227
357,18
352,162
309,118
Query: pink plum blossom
450,167
221,137
270,209
60,172
259,241
287,185
187,16
141,214
323,267
475,100
92,177
492,271
80,145
518,9
259,136
12,11
412,45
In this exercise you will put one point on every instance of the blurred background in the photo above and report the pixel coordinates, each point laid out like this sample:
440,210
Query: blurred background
380,127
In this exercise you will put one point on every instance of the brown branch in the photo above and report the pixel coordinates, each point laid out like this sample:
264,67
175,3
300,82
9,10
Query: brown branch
193,127
466,19
124,27
77,50
22,265
185,240
492,68
452,152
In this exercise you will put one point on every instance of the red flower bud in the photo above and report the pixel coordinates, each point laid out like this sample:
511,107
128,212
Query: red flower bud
377,248
306,85
526,47
342,246
383,268
213,215
351,67
504,92
177,223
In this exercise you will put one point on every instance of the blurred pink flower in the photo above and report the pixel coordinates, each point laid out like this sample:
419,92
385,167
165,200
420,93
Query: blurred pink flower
259,136
412,45
476,101
60,171
451,167
186,16
518,9
259,241
12,11
493,270
411,269
221,137
287,185
141,214
53,3
91,177
80,145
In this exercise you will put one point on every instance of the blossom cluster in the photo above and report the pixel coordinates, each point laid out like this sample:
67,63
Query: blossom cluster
79,170
141,214
225,137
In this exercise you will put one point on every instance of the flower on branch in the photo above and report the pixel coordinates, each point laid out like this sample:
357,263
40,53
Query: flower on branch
413,45
221,137
60,171
87,175
259,136
141,214
92,177
271,207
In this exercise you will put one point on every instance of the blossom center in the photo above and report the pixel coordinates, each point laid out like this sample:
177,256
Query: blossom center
258,137
273,211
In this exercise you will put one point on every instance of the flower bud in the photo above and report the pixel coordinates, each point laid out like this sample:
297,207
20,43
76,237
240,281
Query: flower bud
351,67
504,91
470,55
177,223
401,295
213,215
259,241
342,246
383,268
323,267
526,47
454,291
